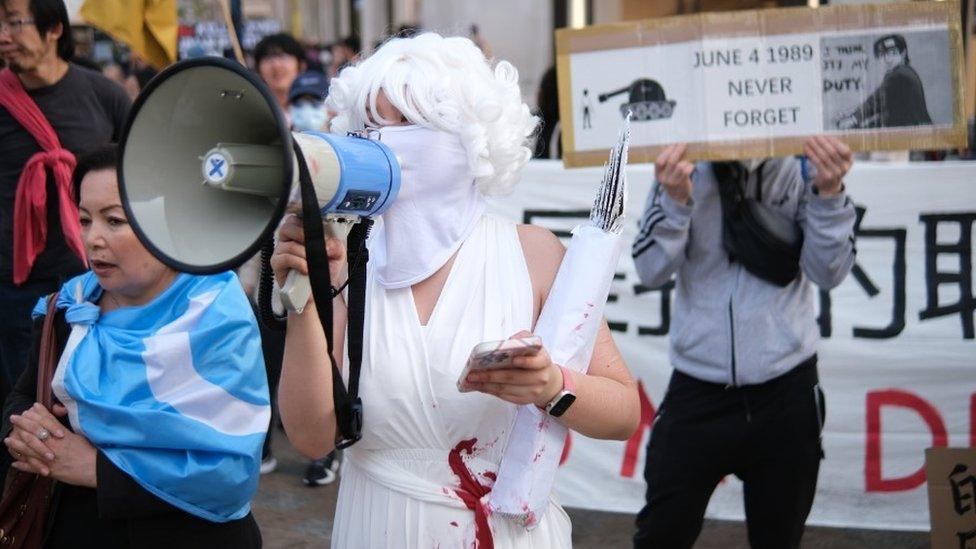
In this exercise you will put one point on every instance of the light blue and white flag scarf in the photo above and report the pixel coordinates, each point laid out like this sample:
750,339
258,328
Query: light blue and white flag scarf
173,392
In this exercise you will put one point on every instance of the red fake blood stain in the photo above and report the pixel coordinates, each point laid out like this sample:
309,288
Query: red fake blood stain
471,491
454,524
538,454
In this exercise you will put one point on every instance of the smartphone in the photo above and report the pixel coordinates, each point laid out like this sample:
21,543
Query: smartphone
498,354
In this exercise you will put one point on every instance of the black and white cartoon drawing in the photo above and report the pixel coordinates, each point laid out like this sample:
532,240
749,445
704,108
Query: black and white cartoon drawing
646,100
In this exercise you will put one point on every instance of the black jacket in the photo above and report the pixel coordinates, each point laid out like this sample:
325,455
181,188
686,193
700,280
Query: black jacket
119,513
898,101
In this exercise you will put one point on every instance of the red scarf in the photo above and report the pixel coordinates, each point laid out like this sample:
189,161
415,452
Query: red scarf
30,204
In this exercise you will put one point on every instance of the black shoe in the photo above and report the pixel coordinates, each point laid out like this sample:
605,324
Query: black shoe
321,471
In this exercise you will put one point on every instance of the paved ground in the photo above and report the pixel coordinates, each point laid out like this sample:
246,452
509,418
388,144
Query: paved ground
294,516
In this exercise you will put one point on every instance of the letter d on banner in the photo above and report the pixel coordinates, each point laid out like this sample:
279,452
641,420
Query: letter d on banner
873,480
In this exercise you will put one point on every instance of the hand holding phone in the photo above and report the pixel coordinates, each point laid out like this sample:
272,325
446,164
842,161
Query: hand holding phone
498,354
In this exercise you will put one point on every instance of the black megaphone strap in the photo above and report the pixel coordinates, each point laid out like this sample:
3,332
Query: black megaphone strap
348,405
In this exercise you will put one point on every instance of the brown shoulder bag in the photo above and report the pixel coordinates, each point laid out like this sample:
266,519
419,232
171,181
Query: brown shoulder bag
27,500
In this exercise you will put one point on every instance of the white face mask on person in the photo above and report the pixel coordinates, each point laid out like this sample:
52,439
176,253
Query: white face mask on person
308,117
438,206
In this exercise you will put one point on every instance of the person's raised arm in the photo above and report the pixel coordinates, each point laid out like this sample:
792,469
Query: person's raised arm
662,234
826,214
305,390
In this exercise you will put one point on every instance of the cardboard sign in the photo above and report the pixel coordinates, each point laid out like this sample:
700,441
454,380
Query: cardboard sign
758,83
951,475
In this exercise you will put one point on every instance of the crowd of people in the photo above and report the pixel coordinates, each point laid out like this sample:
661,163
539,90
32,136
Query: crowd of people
167,391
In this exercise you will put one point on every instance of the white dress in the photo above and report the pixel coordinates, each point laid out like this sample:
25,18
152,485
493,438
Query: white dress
398,487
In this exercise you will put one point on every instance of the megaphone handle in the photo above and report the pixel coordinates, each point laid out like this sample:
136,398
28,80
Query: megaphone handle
297,290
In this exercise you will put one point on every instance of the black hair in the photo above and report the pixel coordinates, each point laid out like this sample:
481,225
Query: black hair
278,43
899,42
48,14
353,43
105,157
408,31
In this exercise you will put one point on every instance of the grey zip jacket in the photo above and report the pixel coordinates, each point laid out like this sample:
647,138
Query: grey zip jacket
728,326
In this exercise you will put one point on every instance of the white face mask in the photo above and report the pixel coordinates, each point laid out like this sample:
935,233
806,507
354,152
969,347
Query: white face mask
308,118
437,208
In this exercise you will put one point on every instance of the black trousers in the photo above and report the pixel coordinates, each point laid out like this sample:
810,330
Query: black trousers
768,435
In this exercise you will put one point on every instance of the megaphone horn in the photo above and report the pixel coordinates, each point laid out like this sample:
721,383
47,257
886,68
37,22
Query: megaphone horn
207,166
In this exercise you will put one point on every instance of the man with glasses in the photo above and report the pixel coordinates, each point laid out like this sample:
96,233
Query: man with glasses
41,91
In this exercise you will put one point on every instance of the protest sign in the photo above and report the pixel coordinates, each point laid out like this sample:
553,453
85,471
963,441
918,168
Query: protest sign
951,474
758,83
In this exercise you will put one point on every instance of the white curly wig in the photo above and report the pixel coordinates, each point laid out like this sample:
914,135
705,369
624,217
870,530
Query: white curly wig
445,84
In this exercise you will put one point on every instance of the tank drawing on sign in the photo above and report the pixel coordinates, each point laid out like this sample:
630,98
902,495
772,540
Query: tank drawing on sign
645,99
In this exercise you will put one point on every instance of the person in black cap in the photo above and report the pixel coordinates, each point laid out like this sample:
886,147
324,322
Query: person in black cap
306,102
899,100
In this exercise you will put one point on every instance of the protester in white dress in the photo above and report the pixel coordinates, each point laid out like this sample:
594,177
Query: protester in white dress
443,277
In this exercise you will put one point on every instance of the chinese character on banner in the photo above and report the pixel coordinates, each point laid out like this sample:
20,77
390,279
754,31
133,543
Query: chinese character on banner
935,279
665,326
898,235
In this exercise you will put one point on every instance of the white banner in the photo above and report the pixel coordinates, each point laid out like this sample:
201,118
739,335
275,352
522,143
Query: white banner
897,362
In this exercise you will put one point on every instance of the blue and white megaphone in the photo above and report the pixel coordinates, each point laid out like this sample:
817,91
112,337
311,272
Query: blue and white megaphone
207,167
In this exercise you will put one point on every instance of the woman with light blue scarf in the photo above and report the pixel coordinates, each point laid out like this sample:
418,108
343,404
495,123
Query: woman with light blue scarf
161,396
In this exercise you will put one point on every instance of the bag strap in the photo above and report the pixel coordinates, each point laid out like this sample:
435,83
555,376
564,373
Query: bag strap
48,357
357,300
348,405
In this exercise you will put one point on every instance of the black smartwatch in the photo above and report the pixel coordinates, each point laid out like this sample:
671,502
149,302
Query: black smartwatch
564,398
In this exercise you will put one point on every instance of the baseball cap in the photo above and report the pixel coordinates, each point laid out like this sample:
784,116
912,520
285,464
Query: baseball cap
309,83
889,42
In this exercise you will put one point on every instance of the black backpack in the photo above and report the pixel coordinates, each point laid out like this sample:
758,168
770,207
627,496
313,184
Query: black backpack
769,252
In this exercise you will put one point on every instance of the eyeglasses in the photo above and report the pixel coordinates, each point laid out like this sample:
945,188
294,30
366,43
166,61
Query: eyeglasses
14,26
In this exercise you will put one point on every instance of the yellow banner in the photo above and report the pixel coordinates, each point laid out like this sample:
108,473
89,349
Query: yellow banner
149,27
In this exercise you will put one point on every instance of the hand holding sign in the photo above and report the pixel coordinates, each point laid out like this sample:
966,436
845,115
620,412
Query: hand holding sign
673,173
832,158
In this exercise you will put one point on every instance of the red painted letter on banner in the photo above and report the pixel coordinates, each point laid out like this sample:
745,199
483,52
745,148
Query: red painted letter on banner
629,466
873,480
972,420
